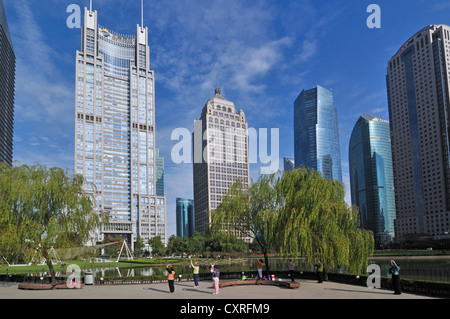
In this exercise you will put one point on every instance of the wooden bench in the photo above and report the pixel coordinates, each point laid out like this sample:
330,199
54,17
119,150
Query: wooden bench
289,284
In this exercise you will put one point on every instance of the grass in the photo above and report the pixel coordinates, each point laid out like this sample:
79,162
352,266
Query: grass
137,262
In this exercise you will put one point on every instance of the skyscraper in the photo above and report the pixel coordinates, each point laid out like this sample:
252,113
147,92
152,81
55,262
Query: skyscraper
7,88
185,217
371,176
288,163
115,130
418,95
220,156
316,133
159,174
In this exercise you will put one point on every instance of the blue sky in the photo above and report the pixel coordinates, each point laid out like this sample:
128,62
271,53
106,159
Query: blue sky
261,53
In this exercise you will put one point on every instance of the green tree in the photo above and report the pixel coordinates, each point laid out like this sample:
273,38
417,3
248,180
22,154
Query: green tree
196,244
139,246
41,208
157,246
177,245
248,212
314,221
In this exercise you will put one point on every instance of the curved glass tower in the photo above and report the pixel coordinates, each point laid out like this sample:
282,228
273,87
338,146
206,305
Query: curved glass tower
316,133
371,176
115,130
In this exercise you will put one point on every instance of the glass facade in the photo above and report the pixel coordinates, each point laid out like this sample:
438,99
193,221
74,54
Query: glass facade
159,174
7,84
185,217
115,135
371,176
316,133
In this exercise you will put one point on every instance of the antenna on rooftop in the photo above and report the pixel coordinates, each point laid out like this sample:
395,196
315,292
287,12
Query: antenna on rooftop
142,13
90,5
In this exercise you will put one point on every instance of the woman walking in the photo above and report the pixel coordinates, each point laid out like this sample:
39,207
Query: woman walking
171,277
196,271
216,277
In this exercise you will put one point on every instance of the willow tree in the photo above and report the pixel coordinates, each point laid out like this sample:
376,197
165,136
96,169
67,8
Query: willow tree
43,208
248,212
314,221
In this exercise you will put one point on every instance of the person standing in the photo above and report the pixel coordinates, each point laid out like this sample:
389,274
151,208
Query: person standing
171,278
395,272
291,269
319,271
216,278
196,272
212,269
260,265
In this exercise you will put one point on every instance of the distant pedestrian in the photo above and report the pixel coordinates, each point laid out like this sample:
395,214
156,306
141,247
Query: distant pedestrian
171,278
325,273
196,272
319,271
291,269
260,265
212,269
216,279
395,272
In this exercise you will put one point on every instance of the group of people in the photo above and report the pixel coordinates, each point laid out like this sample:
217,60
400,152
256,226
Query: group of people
320,271
196,269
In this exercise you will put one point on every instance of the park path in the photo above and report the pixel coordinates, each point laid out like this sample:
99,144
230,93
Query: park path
309,289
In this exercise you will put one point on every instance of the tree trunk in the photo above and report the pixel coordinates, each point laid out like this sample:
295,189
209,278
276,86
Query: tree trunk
266,261
48,260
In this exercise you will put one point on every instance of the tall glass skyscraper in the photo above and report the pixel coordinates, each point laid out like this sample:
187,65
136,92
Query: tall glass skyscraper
7,88
371,176
316,133
185,217
115,130
419,110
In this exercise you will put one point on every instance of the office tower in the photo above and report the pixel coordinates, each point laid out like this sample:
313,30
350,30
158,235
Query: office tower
371,176
418,95
159,174
185,217
115,130
220,156
316,133
289,163
7,87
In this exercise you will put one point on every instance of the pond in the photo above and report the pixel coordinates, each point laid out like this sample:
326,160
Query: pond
415,268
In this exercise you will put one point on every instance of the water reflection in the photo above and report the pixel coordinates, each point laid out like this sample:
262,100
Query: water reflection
428,269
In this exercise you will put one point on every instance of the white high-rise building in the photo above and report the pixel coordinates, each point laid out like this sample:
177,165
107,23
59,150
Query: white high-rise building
418,94
115,130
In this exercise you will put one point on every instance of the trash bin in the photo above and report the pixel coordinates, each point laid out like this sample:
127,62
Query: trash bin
88,278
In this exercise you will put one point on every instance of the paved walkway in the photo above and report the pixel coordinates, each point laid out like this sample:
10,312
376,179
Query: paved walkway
185,290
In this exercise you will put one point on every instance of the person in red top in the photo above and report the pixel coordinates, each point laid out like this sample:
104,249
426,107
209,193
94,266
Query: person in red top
171,277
